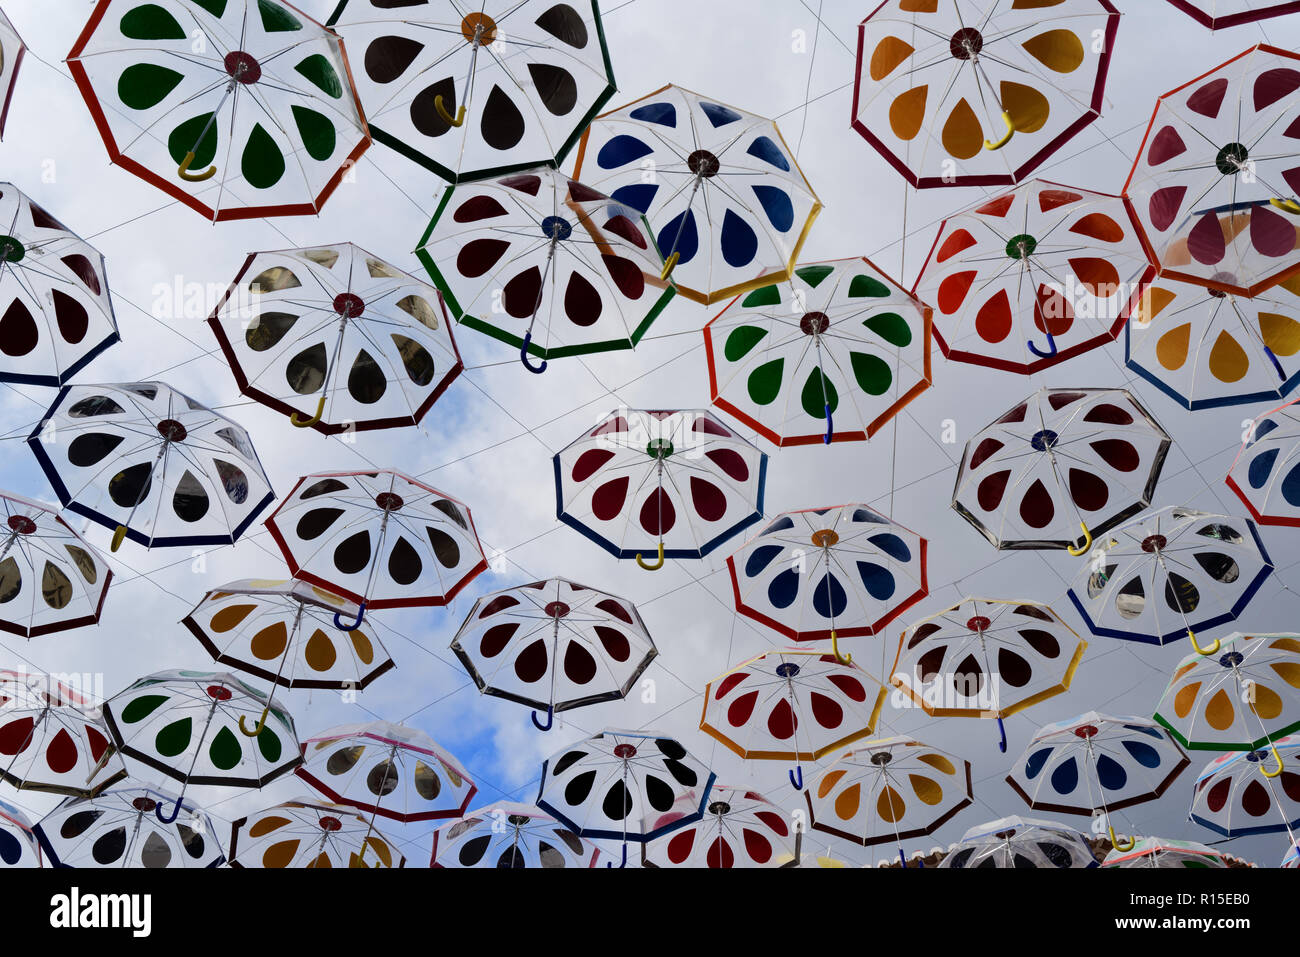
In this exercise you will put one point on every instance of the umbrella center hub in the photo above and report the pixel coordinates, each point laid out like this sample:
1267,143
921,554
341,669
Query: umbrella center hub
625,751
1232,159
1022,246
144,804
719,808
349,305
825,538
1153,543
659,448
329,823
557,228
881,758
219,693
1232,659
517,820
1085,731
787,669
389,501
1005,835
814,323
978,623
11,250
1044,440
172,431
479,28
966,43
243,67
703,164
557,609
1255,757
21,525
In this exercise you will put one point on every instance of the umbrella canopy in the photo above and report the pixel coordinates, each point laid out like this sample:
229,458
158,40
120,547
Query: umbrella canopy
151,463
731,206
56,314
740,828
387,769
309,835
951,94
120,828
1033,277
554,645
539,256
479,90
18,845
1170,573
53,737
379,538
1206,349
1219,14
1266,473
12,50
336,338
1233,796
1292,858
238,109
1215,182
831,355
1163,852
284,632
510,835
819,573
41,547
1020,842
679,481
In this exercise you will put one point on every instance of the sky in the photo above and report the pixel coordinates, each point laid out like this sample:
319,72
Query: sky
490,439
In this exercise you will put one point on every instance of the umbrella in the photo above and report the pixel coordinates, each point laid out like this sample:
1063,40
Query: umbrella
1020,842
622,785
1292,859
1266,473
1121,761
1215,182
152,464
1169,572
1233,796
237,109
539,252
731,206
740,828
1033,277
155,718
986,659
554,645
1219,14
311,314
41,547
659,466
1163,852
53,737
1036,77
841,341
861,571
18,845
309,835
121,828
478,90
55,311
337,530
387,769
1205,348
510,835
12,50
889,789
791,705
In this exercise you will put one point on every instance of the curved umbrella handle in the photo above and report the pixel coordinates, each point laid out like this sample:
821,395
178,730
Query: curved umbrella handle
1002,730
299,422
624,864
670,265
354,625
1051,347
835,650
1276,757
830,426
523,356
796,777
1287,206
550,719
1213,649
457,120
256,729
119,534
1123,848
175,812
1277,366
183,171
655,567
1087,543
1011,130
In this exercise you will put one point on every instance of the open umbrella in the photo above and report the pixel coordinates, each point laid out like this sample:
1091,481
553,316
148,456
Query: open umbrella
1020,842
152,464
309,835
1163,852
554,645
510,835
18,845
731,206
12,50
238,109
336,338
1220,14
740,828
1266,472
840,342
477,90
1234,797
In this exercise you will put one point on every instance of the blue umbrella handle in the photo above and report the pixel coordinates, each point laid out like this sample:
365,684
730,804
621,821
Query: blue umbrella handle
796,777
523,356
624,864
175,813
351,626
550,719
1277,366
830,426
902,860
1051,348
1002,745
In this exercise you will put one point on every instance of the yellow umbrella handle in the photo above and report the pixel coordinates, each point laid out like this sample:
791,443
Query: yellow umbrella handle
835,650
299,422
1287,206
184,170
1276,757
670,265
261,723
1132,842
1213,649
1011,129
1087,543
457,120
119,534
657,565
